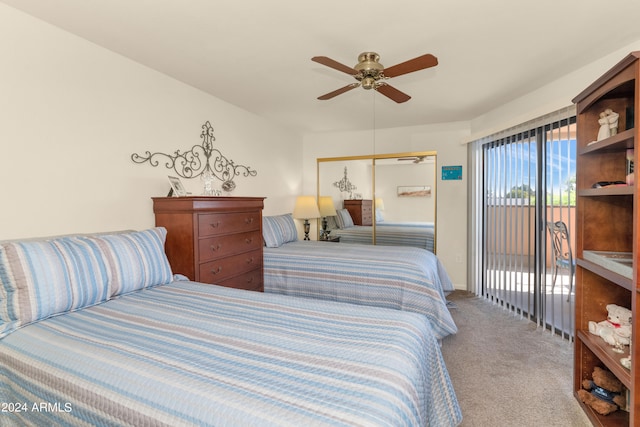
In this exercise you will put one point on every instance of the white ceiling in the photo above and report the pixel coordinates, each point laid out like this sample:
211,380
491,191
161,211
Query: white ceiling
256,54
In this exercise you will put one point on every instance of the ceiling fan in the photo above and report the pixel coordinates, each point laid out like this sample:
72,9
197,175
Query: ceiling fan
415,159
371,74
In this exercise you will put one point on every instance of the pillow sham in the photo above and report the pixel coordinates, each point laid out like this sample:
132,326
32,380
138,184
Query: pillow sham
136,260
343,219
40,279
278,230
331,223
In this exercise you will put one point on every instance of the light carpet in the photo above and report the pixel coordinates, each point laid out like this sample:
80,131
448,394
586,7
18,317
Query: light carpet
506,371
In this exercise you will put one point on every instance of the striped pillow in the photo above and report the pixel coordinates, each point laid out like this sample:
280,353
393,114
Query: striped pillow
344,219
136,260
331,223
278,230
40,279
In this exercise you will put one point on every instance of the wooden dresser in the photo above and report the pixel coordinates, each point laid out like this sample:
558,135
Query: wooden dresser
360,211
214,240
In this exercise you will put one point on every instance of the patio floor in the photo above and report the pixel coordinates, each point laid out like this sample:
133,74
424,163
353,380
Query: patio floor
517,290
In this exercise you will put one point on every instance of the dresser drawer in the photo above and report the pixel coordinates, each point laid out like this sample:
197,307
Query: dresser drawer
251,281
218,270
361,211
211,248
367,214
213,224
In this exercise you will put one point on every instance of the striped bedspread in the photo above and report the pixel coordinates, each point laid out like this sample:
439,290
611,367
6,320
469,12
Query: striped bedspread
416,234
402,278
203,355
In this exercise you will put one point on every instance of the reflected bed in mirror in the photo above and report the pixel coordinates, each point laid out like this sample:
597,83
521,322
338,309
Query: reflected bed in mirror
416,234
373,201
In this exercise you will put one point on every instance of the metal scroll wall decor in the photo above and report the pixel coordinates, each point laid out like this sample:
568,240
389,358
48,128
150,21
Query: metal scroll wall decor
344,185
202,161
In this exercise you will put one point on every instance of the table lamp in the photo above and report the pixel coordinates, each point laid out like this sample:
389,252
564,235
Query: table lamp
306,207
325,203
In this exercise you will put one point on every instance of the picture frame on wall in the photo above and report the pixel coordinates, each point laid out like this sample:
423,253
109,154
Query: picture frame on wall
414,191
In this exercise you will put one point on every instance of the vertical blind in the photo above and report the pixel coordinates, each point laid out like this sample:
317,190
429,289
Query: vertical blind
521,178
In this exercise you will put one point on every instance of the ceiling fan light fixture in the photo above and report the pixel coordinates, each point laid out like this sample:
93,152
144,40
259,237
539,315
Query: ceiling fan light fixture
368,83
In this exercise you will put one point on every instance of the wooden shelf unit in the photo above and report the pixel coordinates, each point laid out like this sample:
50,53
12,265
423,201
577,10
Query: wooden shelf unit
607,220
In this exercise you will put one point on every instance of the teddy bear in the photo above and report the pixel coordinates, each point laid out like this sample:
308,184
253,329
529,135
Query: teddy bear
617,327
604,393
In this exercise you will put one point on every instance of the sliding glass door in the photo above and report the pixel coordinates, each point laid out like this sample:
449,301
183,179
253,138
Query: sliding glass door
526,177
509,221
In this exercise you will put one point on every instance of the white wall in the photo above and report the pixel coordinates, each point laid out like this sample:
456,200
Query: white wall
71,115
451,203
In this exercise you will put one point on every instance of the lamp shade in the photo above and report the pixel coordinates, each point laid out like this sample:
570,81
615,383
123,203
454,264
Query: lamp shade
326,206
379,203
306,207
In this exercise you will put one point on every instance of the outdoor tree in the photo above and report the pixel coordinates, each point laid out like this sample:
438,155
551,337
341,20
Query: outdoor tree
520,192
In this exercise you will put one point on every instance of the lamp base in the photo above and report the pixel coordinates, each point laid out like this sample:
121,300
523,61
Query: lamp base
307,226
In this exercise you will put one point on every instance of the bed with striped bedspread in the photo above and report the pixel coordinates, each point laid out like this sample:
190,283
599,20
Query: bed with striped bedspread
203,355
402,278
416,234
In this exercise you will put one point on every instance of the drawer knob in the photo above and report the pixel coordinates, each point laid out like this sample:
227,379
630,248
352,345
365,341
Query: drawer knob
216,248
248,220
216,271
248,240
250,260
215,225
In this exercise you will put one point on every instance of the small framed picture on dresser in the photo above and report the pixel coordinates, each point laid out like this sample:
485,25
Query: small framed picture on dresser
177,189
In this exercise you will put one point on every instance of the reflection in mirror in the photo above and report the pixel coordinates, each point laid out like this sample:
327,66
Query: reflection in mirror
393,202
345,179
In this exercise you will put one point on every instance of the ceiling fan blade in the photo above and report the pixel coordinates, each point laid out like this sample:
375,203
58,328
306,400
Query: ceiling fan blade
334,64
393,93
338,91
415,64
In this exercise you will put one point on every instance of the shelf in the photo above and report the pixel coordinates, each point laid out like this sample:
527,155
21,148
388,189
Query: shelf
608,274
612,190
616,419
618,262
619,142
607,356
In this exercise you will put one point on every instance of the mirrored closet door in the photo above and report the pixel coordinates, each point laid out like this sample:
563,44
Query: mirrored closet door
383,199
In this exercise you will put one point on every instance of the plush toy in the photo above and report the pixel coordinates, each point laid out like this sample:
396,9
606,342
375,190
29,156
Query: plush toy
617,327
604,393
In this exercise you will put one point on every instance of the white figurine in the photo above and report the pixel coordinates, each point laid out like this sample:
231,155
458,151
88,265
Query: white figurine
613,120
608,124
605,130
